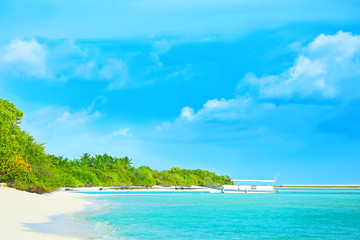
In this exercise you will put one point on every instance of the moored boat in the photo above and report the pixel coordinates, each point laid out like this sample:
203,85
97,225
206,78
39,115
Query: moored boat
250,186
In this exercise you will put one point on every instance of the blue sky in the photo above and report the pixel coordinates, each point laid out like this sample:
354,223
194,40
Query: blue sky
245,88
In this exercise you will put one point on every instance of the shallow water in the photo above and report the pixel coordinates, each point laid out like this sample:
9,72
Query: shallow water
290,214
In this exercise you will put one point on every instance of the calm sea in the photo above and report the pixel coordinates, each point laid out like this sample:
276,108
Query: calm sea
290,214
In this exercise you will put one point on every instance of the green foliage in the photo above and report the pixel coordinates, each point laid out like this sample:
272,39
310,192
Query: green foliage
19,150
10,132
68,180
12,140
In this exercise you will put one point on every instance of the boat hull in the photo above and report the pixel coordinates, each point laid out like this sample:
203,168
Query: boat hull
247,191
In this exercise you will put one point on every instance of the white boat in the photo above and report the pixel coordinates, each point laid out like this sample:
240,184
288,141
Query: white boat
249,186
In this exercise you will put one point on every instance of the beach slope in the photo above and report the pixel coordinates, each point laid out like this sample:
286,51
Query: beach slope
17,208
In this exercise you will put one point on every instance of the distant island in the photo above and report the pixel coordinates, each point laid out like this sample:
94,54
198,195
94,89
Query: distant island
25,165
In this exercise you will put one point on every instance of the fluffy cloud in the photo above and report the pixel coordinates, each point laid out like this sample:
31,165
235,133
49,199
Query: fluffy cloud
74,62
213,114
125,132
115,71
187,113
24,57
327,68
54,120
231,120
218,109
71,133
67,60
159,47
72,120
61,61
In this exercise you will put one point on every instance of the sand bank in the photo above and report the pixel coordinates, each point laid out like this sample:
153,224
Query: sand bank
18,208
138,189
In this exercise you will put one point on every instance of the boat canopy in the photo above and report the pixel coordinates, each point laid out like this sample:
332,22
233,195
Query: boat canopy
262,181
250,180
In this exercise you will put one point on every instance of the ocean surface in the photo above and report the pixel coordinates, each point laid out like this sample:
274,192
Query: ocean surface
290,214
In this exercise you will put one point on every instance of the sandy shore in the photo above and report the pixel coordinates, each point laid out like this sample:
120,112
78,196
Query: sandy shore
18,208
138,189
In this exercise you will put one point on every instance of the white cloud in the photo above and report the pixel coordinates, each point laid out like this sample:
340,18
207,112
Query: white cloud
328,67
72,120
25,57
72,133
88,66
115,71
85,70
67,60
214,110
228,119
51,121
98,100
125,132
185,73
70,48
218,109
187,113
159,47
61,61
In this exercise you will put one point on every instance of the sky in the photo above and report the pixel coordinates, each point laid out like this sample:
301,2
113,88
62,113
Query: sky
246,88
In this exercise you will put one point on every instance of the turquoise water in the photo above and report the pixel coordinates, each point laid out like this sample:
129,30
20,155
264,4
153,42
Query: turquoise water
290,214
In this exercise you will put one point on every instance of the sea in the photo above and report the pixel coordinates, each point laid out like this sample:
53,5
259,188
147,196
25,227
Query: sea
290,214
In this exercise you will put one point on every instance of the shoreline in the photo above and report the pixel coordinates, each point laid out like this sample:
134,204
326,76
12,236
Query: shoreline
20,209
317,186
135,189
183,188
23,214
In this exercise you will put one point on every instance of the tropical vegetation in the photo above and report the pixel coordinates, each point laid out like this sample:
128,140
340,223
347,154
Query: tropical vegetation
25,165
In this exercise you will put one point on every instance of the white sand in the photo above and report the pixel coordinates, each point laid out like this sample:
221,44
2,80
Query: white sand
18,208
139,189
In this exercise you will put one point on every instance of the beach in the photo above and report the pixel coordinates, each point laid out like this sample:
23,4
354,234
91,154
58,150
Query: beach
18,208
